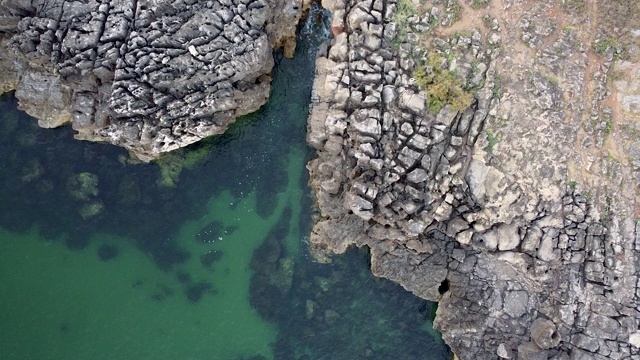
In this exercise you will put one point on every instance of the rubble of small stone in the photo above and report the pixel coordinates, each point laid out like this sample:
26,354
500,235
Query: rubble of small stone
152,75
517,213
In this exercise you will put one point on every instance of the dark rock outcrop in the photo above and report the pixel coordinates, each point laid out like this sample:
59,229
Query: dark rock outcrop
148,75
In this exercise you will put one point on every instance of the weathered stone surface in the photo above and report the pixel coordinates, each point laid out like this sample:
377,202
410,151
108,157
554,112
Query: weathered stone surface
412,102
504,352
544,334
417,176
508,237
516,303
49,99
517,213
585,342
602,327
530,351
174,73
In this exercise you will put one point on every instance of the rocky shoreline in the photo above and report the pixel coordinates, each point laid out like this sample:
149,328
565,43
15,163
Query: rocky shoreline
486,152
515,211
150,76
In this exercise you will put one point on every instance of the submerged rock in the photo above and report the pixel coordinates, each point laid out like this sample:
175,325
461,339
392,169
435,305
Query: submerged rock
108,252
161,292
90,209
210,233
83,186
128,192
211,257
273,270
31,171
196,291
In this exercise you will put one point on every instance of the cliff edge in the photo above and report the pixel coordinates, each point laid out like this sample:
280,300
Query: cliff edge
486,151
147,75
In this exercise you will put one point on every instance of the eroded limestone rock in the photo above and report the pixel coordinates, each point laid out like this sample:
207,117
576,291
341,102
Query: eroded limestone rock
476,207
151,75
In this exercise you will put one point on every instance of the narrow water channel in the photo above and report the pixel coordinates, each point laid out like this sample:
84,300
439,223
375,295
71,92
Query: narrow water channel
199,256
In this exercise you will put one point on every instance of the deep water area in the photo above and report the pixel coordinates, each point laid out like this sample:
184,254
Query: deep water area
201,255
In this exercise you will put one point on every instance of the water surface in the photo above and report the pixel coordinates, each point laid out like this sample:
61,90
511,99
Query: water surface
200,257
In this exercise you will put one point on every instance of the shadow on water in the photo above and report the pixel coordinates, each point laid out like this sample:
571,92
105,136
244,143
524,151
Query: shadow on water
72,190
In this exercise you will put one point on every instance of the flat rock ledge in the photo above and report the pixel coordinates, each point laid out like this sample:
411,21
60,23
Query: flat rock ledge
509,212
150,75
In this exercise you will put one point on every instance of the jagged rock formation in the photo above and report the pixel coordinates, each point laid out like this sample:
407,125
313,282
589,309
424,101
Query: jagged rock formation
518,214
148,75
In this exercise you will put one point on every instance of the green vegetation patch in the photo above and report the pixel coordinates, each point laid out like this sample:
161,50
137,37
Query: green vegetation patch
608,127
575,6
487,20
602,47
479,4
455,9
441,85
492,139
404,10
497,91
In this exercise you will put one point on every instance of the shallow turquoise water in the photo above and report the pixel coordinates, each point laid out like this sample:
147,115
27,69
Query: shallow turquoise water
213,267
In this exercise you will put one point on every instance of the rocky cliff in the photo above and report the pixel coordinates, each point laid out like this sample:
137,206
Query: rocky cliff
487,153
148,75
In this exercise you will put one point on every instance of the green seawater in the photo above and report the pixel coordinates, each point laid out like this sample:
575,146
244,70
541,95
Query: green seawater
104,259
